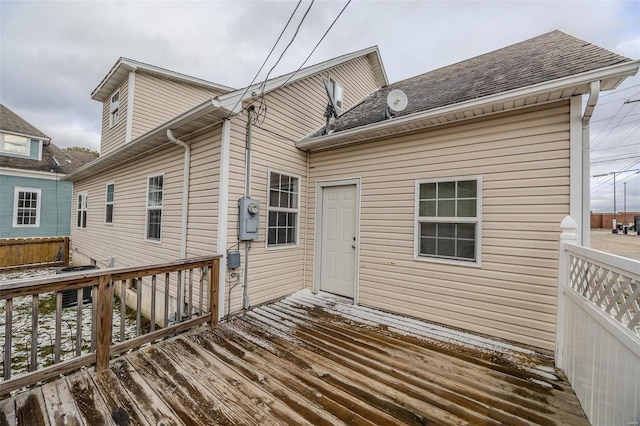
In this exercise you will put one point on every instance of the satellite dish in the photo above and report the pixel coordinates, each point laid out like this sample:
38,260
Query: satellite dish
397,101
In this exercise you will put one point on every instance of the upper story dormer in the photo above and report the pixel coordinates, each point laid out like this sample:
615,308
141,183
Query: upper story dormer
19,138
138,97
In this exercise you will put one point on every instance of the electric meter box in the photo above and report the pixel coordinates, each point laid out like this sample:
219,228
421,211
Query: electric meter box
248,219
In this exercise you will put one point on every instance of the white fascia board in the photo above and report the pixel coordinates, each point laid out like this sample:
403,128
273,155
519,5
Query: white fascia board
234,98
157,133
615,71
37,174
125,66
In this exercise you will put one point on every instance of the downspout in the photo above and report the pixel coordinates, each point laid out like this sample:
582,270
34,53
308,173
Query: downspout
186,170
594,94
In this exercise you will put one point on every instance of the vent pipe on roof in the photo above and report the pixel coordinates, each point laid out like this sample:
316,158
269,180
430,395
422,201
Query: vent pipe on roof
594,94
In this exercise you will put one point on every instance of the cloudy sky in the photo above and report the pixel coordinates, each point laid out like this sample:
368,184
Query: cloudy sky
53,54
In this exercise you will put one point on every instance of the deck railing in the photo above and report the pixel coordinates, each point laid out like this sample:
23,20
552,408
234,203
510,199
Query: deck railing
167,298
598,332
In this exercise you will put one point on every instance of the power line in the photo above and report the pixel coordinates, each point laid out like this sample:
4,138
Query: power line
622,139
268,56
618,99
619,146
617,158
610,130
317,44
286,48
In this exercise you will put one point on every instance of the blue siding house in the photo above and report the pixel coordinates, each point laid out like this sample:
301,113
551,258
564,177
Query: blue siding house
34,202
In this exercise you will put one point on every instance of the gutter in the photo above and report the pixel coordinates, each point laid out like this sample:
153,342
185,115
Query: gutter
186,172
367,131
594,94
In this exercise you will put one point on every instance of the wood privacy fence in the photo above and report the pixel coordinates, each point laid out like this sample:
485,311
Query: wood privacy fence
184,292
17,253
598,331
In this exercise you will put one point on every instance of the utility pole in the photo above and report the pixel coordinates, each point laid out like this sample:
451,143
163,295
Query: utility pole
625,223
615,214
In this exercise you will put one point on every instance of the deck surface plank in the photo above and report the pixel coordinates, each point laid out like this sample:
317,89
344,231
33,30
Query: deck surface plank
89,401
8,412
60,404
31,408
315,360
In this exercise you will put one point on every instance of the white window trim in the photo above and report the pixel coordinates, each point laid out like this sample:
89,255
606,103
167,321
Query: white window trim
146,209
28,145
113,122
477,220
284,210
112,203
17,190
84,207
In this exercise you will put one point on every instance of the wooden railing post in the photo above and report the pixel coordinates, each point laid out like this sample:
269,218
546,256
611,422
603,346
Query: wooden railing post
568,236
104,320
214,276
67,244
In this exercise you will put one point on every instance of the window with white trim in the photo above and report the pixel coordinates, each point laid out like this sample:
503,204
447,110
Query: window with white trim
282,210
81,217
109,203
26,207
14,144
115,109
448,219
155,192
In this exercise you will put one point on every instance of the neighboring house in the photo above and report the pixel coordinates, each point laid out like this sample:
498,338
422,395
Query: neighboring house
33,200
447,211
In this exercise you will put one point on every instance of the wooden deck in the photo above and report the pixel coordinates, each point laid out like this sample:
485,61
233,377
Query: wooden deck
310,359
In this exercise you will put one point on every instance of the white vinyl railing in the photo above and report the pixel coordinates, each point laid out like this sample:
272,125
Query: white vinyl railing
598,330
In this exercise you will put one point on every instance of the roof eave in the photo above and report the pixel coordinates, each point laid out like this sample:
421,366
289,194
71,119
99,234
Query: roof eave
612,77
124,66
211,111
243,94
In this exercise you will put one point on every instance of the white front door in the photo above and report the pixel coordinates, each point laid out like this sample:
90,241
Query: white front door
338,240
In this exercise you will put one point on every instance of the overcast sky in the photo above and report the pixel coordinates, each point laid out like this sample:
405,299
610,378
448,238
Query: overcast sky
53,54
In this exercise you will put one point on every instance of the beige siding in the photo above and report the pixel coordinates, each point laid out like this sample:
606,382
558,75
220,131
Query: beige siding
113,136
523,159
158,100
125,238
292,112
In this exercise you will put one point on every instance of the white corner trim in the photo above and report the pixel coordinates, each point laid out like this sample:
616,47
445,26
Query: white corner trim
35,174
223,211
130,94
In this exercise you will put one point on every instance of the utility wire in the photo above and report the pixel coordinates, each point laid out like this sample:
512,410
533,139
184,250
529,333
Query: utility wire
285,49
268,56
317,44
610,130
622,139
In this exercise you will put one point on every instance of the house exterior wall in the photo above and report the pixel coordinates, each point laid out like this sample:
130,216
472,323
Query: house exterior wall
158,100
113,136
523,160
125,238
155,101
55,207
293,112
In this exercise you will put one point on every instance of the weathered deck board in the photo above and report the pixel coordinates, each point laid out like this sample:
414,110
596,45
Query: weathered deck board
310,359
61,407
90,404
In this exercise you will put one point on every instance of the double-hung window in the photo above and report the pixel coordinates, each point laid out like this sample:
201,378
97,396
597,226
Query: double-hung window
448,219
81,220
109,202
114,109
155,190
283,210
26,211
14,144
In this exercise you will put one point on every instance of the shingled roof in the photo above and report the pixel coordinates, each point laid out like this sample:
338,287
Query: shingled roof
65,161
544,58
10,122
